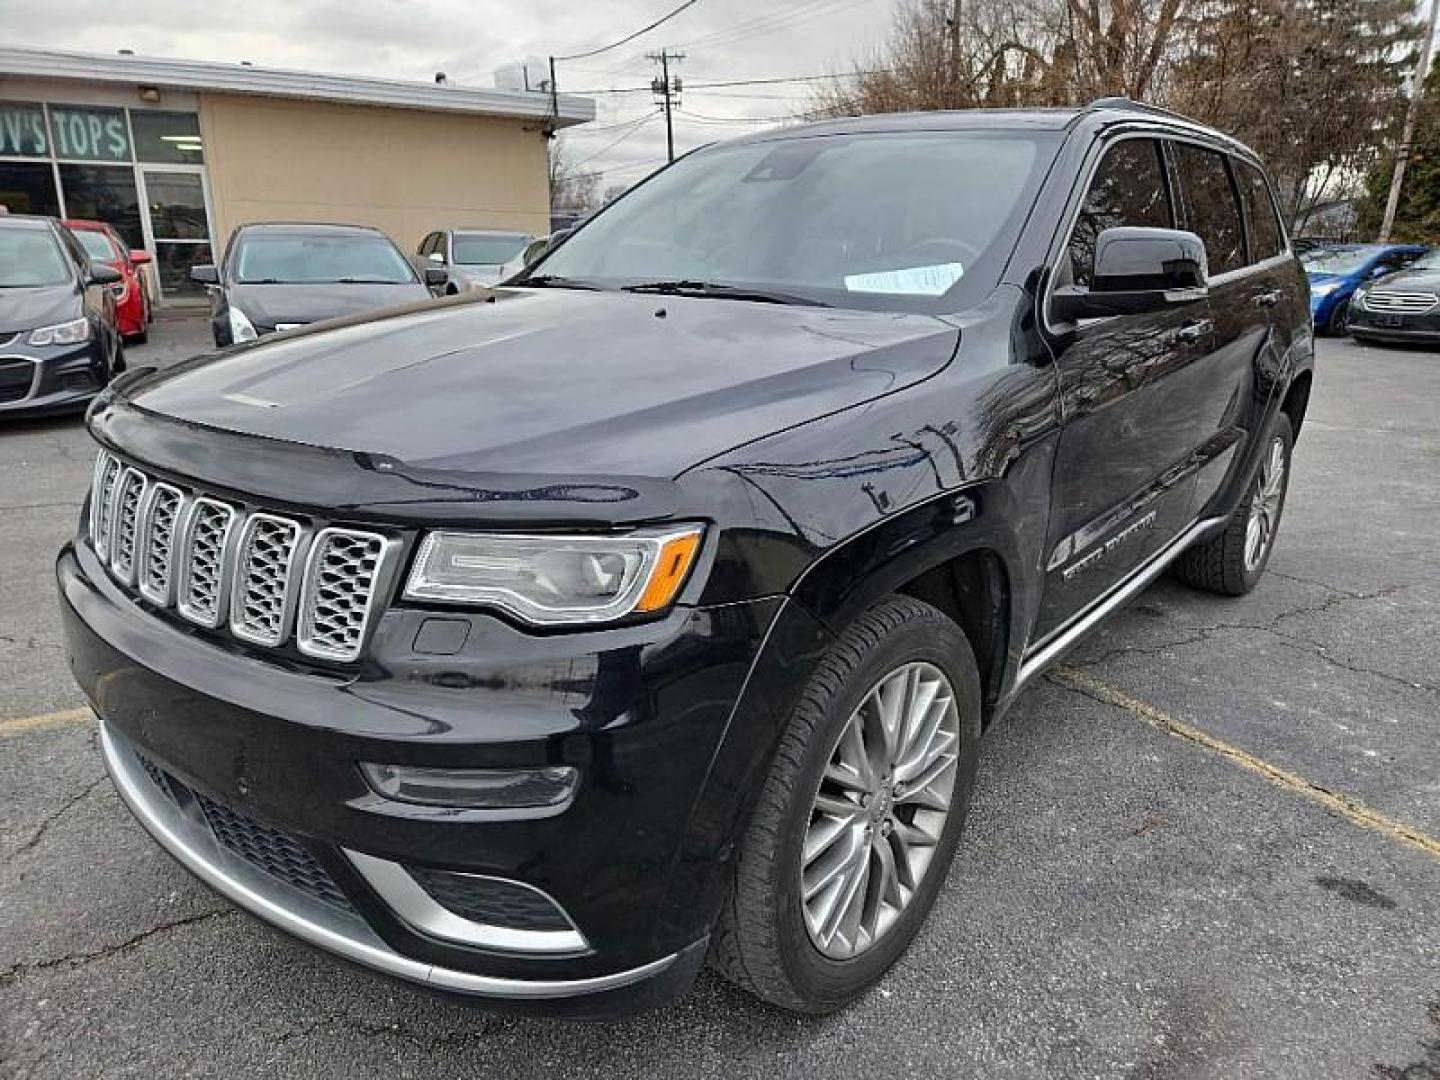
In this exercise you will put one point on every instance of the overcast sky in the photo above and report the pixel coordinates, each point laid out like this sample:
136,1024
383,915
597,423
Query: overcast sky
724,40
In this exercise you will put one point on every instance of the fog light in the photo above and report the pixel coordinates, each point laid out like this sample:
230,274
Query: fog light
474,789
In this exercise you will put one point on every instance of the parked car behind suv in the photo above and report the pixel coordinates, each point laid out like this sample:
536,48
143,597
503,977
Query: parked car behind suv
538,646
280,276
59,344
474,257
132,299
1336,271
1403,306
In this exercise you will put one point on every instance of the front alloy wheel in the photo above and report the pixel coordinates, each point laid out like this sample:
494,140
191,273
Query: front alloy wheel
880,810
858,818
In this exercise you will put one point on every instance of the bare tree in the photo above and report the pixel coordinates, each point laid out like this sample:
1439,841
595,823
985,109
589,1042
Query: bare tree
570,190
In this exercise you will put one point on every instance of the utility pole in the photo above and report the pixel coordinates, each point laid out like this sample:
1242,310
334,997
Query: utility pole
667,91
1407,134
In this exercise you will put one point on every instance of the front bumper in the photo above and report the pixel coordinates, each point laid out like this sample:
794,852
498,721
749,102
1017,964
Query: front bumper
1420,328
636,861
62,379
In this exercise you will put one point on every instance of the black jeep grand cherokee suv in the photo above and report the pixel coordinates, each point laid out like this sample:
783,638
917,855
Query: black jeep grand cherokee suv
535,646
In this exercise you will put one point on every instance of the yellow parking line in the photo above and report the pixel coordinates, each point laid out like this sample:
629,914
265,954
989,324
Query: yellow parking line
1334,801
44,722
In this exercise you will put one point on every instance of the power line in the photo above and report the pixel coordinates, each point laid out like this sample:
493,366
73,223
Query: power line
635,126
629,37
739,82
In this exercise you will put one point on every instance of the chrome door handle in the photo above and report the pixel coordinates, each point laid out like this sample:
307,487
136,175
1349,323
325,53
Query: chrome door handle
1269,299
1192,332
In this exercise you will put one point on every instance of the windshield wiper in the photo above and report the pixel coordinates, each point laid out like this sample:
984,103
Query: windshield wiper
555,281
721,291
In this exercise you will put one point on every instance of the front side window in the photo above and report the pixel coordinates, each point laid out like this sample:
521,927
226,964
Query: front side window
488,250
1128,189
905,221
1211,211
1264,226
31,258
281,259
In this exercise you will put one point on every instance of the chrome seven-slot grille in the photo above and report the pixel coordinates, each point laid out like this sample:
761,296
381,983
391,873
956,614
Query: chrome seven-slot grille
261,575
1399,301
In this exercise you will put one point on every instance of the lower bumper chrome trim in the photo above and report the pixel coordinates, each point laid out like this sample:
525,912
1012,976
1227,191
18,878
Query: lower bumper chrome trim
311,920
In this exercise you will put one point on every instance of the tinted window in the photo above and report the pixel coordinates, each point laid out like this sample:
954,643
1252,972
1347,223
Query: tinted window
28,188
1265,235
1128,189
1210,208
167,137
895,221
291,259
31,257
104,193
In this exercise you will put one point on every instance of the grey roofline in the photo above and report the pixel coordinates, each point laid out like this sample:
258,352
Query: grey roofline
215,77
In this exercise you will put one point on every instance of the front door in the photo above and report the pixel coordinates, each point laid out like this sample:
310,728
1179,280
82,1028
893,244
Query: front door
1123,477
177,225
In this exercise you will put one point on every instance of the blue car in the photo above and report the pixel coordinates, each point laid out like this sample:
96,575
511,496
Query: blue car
1337,270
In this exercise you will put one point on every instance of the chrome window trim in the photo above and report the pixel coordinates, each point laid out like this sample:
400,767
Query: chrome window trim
186,561
304,622
308,919
240,577
416,907
143,528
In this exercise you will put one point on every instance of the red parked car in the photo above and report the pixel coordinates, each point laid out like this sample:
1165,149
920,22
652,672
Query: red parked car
132,301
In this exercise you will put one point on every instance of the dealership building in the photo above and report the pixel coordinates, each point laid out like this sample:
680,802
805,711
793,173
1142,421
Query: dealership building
176,153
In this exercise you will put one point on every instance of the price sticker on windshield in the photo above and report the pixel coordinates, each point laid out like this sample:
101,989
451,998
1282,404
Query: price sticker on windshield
914,281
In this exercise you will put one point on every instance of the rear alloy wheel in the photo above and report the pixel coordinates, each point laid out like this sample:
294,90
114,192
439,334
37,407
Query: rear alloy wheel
1232,562
858,820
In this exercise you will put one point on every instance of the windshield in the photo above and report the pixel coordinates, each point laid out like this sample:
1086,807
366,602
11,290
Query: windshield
96,244
292,259
1337,260
490,249
893,221
30,258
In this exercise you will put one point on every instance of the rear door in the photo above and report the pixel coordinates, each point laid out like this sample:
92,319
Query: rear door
1121,488
1251,284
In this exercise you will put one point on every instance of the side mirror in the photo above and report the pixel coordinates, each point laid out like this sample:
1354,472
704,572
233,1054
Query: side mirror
205,274
534,250
435,276
139,256
1137,271
437,258
104,275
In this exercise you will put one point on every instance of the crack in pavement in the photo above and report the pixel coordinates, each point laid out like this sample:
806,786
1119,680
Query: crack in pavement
65,808
18,971
32,643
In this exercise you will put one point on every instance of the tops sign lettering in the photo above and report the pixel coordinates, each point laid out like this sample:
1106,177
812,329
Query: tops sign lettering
90,134
22,130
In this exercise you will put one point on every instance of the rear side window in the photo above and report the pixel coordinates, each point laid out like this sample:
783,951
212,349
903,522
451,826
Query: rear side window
1128,189
1260,219
1211,211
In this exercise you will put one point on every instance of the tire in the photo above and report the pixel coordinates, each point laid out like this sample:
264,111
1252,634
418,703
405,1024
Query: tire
1339,323
140,337
763,939
117,362
1226,564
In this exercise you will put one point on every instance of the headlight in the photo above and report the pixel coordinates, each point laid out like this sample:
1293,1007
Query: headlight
65,333
241,328
556,580
1324,290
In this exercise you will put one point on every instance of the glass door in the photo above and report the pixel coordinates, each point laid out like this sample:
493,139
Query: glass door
177,225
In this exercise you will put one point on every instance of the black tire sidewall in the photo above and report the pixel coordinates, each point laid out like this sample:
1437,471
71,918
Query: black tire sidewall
816,978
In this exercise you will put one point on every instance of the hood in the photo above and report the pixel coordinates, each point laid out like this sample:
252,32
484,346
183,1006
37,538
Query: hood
26,309
266,305
1412,280
555,381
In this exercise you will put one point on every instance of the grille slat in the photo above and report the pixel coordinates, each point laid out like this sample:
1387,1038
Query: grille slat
1399,302
252,572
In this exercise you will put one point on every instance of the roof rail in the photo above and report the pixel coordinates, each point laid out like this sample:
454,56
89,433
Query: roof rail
1130,105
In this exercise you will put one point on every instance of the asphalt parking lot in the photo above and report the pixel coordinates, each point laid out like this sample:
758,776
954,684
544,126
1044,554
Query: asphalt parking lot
1209,846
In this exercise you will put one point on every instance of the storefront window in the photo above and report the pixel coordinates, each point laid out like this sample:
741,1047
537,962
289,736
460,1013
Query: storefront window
166,137
22,130
177,206
104,193
27,188
172,264
90,134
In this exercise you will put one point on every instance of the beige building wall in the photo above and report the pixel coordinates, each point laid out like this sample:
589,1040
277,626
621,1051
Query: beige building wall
401,170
